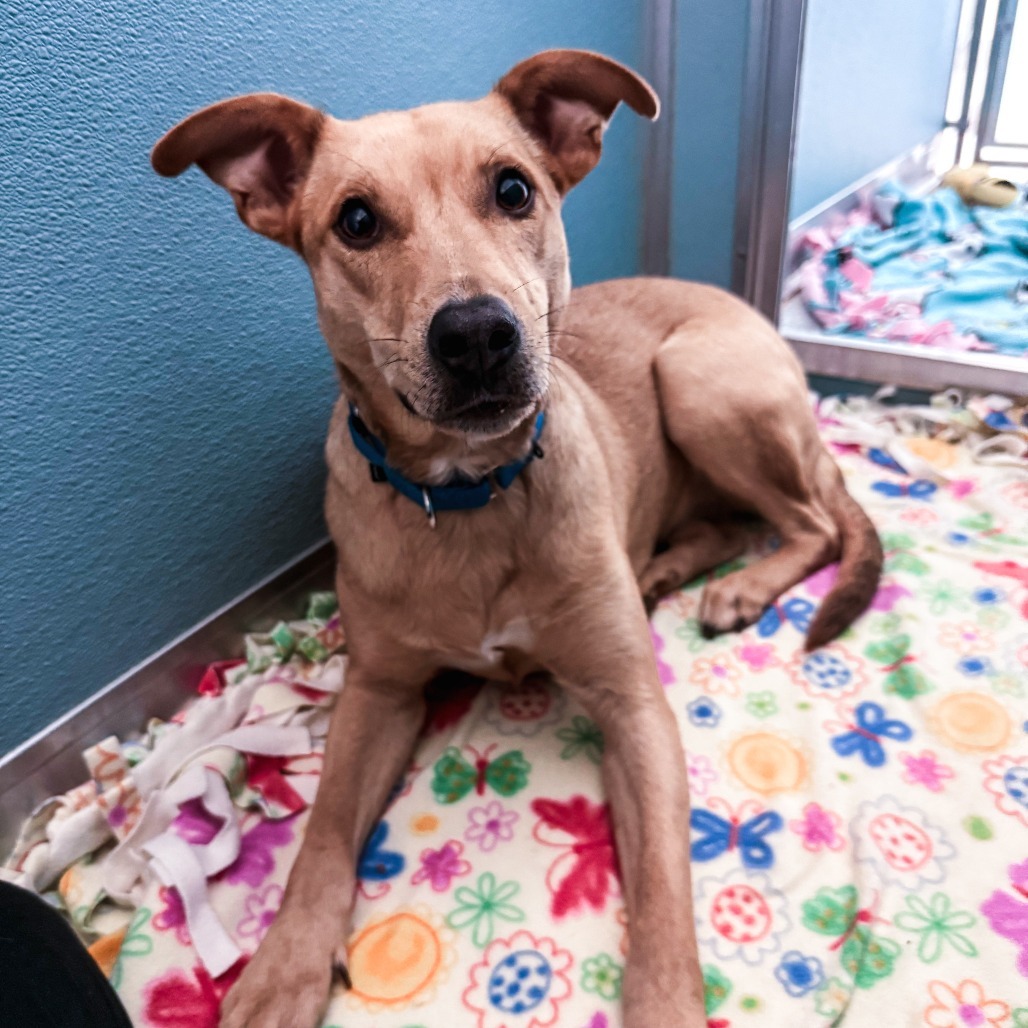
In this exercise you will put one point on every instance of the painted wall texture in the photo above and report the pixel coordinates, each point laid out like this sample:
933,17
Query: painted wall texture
710,69
165,390
873,84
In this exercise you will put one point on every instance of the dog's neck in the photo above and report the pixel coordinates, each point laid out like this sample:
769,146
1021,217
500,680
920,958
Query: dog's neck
426,454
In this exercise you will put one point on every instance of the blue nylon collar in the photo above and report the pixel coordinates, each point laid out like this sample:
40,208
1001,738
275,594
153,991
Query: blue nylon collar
459,493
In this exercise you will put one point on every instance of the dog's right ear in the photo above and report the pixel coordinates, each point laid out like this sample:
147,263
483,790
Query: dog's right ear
258,147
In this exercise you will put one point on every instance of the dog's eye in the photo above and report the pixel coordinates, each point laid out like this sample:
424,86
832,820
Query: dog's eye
357,222
513,193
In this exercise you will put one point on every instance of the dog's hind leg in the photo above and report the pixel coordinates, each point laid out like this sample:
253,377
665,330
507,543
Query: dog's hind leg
755,440
693,548
808,541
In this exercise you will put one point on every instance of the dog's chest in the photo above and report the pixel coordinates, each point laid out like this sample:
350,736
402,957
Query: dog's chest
504,651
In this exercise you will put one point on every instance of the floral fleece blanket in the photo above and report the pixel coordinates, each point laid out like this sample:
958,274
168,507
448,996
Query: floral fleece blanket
860,814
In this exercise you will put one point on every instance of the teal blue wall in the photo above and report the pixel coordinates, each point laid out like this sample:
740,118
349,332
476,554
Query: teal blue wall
710,67
873,84
165,390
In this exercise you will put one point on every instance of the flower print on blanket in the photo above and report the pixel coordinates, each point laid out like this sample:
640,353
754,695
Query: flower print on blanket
520,982
170,916
484,907
257,850
490,825
440,867
1007,781
819,829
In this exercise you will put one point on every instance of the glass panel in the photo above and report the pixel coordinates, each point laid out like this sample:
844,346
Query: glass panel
1012,122
1014,154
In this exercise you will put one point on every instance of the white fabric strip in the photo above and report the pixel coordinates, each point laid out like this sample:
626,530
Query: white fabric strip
176,865
125,868
173,749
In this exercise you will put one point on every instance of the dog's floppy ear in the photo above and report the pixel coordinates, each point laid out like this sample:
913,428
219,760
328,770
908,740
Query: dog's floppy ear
565,99
258,147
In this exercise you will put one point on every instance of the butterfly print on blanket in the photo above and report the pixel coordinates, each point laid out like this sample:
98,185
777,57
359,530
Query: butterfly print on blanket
585,873
863,736
1008,915
714,834
796,612
454,777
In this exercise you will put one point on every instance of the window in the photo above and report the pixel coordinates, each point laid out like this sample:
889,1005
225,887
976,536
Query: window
1003,135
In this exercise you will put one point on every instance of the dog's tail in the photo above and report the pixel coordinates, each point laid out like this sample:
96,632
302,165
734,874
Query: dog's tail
860,568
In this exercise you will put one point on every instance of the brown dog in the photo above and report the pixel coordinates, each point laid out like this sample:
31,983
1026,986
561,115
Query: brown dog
435,244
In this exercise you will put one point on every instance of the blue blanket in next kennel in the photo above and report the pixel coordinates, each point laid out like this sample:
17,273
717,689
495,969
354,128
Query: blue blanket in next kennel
965,265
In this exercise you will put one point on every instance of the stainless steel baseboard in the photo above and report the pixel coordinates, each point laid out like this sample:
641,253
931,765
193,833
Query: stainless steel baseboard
51,762
916,367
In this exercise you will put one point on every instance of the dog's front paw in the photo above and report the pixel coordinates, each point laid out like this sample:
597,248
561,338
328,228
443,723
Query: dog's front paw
286,984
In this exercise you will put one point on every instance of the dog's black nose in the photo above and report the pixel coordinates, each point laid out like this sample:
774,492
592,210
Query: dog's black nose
474,338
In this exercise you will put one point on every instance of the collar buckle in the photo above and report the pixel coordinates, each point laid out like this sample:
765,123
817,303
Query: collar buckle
429,508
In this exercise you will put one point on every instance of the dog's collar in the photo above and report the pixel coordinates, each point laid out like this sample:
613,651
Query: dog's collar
460,492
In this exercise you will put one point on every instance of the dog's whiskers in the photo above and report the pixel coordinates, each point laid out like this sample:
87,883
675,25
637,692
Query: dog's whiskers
417,395
528,282
556,380
557,364
552,310
562,332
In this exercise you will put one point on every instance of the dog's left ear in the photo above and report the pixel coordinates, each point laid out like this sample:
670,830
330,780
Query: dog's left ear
565,99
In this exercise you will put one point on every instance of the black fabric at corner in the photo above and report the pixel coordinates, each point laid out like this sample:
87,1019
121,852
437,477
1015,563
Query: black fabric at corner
47,978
